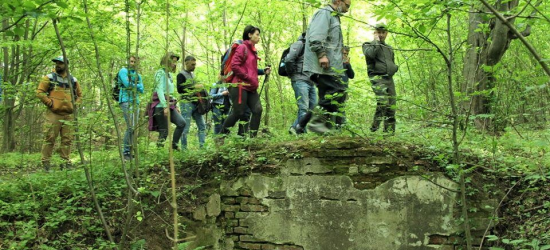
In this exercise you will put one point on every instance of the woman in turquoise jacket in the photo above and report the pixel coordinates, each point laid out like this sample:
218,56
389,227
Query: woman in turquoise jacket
165,100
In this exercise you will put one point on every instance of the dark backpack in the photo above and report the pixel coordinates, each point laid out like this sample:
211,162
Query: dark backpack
282,69
203,104
115,92
285,69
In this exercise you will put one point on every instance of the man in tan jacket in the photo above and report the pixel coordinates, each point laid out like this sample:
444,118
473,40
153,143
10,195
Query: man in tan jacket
54,91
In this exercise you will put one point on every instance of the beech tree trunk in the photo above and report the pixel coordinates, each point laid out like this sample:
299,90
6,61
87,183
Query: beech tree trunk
486,48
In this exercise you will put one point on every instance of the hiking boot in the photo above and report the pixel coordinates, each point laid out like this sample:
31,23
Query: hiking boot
127,157
65,165
318,124
298,129
175,147
46,166
292,130
319,128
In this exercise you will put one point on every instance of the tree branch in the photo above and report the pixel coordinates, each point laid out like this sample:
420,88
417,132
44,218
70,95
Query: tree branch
23,16
519,35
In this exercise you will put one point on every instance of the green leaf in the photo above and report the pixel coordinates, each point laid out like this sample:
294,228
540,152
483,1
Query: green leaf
19,31
492,237
30,5
517,242
422,28
62,4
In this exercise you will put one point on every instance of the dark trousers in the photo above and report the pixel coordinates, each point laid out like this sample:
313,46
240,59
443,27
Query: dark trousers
162,121
248,100
331,92
244,122
220,112
384,89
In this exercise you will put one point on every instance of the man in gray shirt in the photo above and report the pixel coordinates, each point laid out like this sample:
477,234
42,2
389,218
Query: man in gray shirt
381,68
323,63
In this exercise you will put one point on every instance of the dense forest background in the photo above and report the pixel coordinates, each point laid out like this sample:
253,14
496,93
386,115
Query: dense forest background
469,82
496,82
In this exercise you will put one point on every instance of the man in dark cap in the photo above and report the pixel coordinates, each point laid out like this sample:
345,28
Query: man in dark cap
381,68
54,90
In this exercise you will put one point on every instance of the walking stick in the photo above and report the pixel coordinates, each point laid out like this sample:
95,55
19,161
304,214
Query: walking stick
265,80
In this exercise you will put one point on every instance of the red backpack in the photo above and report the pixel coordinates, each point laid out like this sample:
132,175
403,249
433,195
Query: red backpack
227,73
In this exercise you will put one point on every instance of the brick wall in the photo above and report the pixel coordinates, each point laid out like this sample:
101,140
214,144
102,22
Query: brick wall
236,208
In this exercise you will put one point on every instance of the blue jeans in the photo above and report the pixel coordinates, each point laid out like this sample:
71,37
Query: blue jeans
306,98
131,115
220,113
189,110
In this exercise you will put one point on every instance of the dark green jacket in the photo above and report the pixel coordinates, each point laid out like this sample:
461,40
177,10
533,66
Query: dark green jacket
380,59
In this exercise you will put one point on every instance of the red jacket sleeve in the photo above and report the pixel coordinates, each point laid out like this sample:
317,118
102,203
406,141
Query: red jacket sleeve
238,63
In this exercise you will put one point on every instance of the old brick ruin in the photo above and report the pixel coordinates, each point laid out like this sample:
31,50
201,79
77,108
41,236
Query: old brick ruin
349,198
236,208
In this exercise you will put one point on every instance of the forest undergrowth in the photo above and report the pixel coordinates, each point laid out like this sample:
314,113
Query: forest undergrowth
54,210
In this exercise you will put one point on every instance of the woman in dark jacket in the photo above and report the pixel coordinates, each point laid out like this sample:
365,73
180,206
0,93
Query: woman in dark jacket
244,92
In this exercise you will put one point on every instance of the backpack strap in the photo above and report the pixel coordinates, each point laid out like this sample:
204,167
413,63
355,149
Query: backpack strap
72,81
53,82
303,48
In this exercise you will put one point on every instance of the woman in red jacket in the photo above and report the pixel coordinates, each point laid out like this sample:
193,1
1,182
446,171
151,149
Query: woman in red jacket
244,92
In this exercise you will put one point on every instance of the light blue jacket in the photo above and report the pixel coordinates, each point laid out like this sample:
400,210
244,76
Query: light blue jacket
128,86
216,93
324,37
160,87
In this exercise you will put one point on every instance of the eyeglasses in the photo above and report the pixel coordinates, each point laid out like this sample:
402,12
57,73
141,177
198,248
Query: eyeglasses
347,4
132,61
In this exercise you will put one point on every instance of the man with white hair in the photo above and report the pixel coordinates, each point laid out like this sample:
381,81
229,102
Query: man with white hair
324,65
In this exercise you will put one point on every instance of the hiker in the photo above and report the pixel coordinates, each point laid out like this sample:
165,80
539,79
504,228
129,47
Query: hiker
225,77
220,105
381,68
54,90
131,87
164,102
189,90
244,92
348,74
304,89
323,63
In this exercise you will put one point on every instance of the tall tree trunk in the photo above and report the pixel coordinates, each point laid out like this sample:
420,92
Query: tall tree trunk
486,48
8,140
183,40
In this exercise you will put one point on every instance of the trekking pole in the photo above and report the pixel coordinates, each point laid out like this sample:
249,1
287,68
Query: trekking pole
265,80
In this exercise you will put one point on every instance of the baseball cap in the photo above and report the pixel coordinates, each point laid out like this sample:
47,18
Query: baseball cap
59,59
380,26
